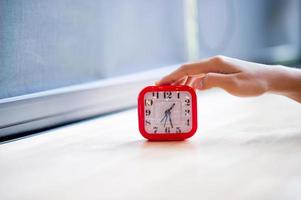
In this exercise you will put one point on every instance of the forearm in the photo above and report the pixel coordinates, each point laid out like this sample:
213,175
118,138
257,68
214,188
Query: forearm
285,81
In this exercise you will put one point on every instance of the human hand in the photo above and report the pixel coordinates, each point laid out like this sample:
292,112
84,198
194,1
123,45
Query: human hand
237,77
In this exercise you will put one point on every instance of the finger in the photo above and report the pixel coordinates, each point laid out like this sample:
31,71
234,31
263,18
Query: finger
227,82
185,70
217,64
180,81
177,75
191,80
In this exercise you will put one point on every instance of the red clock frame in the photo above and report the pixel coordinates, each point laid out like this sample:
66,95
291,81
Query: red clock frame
169,136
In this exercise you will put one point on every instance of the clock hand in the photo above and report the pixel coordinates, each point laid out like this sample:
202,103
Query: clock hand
170,121
164,118
167,115
169,109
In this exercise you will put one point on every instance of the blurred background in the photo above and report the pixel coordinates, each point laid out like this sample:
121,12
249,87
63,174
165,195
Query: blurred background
51,44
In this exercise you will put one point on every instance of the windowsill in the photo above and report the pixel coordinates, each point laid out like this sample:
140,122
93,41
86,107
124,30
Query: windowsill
244,147
39,111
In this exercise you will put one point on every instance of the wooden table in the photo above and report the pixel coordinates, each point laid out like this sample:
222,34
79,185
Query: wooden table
245,148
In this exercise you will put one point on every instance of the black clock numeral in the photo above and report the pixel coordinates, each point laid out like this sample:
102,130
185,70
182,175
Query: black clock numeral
167,95
187,112
178,95
188,122
147,112
178,130
147,122
187,101
148,102
156,95
167,130
155,128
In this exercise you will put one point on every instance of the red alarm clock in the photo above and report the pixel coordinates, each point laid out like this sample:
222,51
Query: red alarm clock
167,112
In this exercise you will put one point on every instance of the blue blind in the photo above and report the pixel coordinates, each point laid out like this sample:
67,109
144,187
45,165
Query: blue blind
51,44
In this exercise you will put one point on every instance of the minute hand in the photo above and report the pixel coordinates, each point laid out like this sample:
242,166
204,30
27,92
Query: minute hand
167,114
169,109
170,121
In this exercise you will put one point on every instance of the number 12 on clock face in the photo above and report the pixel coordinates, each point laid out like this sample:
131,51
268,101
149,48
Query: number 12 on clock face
167,112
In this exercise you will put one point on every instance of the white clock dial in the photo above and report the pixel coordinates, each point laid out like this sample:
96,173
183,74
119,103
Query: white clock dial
167,112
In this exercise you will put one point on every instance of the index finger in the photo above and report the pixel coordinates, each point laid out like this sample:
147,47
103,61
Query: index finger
186,70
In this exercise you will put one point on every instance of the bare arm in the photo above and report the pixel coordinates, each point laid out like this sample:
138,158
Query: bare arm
238,77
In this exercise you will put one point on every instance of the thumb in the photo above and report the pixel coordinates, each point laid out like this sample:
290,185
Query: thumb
210,80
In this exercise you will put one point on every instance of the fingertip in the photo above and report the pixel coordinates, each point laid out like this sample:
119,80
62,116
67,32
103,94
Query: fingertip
160,82
164,81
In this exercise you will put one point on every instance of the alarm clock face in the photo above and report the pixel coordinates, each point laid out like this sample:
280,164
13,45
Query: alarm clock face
167,112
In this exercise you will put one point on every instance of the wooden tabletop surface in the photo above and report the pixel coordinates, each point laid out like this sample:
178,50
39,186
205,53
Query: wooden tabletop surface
245,148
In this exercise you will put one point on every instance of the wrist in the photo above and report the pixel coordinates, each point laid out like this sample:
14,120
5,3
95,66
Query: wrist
284,81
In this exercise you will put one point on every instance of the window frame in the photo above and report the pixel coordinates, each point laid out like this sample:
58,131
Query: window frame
28,114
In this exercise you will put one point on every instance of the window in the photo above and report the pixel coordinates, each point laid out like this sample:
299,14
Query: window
51,44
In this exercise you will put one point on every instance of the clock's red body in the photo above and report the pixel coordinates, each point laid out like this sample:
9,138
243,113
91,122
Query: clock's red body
167,112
